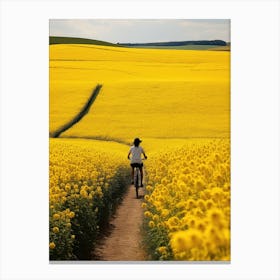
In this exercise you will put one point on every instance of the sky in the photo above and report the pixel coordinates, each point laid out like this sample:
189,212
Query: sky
142,31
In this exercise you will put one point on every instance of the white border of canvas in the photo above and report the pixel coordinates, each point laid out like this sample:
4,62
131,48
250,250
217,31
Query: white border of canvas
254,132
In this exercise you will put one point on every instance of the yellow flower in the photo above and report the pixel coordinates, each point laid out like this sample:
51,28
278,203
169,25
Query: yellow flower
52,245
164,213
191,204
173,221
185,240
160,225
56,216
55,229
162,249
209,203
200,184
201,204
215,215
164,181
149,188
156,218
151,224
192,222
71,214
147,214
144,205
214,236
179,242
226,187
73,236
84,193
201,225
198,213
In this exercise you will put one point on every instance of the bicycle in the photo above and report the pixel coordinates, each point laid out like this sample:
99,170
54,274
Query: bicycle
137,179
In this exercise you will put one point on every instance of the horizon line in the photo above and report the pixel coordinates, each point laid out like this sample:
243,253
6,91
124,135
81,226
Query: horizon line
137,42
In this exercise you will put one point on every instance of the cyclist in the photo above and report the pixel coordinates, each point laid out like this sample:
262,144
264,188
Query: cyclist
136,161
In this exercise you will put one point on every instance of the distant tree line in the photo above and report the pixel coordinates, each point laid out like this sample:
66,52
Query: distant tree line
180,43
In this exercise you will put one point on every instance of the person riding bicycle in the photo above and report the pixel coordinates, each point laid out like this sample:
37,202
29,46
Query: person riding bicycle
136,161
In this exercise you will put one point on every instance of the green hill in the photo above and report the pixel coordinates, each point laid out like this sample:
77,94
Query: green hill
71,40
207,45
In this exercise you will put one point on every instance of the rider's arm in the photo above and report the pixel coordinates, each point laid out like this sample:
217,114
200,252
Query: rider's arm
144,153
128,156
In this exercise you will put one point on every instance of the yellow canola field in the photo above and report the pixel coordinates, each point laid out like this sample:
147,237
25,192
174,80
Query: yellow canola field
111,64
86,179
187,205
157,109
167,98
152,93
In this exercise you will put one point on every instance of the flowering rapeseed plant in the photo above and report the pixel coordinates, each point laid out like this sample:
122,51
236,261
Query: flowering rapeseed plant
86,177
187,207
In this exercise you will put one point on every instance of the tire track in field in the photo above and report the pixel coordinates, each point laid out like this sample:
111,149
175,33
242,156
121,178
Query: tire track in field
80,115
123,241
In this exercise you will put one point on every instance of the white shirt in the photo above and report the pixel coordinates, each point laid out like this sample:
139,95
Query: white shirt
136,154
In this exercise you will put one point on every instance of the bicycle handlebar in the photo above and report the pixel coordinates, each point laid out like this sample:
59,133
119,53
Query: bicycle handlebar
141,158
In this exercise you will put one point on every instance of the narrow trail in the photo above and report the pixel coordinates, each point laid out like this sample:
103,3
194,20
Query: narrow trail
123,241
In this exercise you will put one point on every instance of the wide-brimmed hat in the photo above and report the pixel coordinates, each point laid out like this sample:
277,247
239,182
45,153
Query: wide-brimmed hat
137,141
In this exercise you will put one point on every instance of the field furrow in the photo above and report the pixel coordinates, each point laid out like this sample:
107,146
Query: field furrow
80,115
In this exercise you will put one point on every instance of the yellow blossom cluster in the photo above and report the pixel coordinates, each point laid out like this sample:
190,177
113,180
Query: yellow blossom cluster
61,243
188,201
82,175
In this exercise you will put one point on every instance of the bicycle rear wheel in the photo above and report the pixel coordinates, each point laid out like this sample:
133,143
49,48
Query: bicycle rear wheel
136,181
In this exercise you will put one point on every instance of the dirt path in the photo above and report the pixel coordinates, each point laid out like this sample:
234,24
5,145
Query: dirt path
123,241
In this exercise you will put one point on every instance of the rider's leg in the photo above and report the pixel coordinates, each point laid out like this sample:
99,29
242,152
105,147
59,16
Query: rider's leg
141,172
132,175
